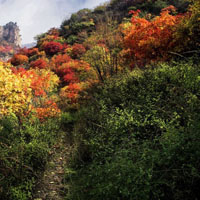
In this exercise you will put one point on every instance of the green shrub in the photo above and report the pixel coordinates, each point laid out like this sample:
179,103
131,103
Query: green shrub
68,118
24,151
138,137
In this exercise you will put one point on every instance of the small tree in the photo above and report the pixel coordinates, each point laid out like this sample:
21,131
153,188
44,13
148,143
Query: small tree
52,48
19,59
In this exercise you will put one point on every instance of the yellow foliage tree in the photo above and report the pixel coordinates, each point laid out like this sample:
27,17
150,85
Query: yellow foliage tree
15,92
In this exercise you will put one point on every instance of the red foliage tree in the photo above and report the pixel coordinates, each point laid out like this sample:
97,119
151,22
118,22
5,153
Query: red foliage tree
52,48
58,60
32,52
18,70
28,52
77,50
39,63
70,76
62,66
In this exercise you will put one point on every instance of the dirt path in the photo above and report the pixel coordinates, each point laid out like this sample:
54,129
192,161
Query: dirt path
50,186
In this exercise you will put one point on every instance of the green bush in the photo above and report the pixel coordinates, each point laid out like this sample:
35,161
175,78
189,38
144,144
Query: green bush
139,137
24,151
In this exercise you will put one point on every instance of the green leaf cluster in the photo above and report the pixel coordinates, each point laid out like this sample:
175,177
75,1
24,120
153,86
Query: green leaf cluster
138,137
24,152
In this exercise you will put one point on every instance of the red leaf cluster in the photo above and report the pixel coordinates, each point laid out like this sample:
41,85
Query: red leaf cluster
52,48
39,63
78,50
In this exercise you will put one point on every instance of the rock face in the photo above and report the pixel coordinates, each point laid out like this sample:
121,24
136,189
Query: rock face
10,33
10,40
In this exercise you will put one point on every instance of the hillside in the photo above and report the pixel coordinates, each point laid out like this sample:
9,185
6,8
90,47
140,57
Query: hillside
105,107
80,25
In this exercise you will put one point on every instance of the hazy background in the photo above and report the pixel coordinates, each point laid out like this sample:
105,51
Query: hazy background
37,16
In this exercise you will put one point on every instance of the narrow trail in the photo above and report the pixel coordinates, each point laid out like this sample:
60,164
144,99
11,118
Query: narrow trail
51,186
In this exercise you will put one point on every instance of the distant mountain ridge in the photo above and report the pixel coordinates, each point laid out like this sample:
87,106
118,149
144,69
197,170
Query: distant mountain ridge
29,45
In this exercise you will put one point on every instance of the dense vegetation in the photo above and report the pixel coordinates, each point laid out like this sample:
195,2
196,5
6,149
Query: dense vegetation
141,141
121,82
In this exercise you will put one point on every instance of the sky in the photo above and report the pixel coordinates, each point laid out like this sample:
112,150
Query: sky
37,16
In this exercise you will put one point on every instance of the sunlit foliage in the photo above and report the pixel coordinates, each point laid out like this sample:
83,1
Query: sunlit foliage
15,92
146,41
19,59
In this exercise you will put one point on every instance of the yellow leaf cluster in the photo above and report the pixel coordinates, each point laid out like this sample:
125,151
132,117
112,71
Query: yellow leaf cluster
15,92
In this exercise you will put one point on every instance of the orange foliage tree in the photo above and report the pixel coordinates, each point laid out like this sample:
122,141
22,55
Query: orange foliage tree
19,59
70,70
42,83
146,41
48,110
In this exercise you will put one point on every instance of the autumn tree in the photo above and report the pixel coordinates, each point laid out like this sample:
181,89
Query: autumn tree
77,51
19,59
52,48
40,63
146,41
42,84
104,48
15,92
